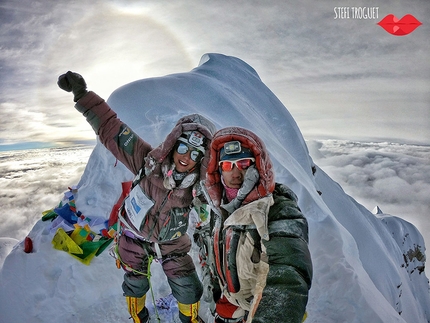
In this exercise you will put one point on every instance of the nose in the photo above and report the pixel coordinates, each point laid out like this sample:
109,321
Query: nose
236,171
187,156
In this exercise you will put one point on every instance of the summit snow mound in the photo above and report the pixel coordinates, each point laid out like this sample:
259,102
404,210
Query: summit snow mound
360,272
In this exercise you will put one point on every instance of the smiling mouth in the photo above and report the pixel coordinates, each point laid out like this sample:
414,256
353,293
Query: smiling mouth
183,163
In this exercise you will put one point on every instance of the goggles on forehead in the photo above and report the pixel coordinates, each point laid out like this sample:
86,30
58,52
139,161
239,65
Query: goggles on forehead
241,164
183,148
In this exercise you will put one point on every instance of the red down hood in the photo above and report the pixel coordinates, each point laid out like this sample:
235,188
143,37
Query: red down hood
248,139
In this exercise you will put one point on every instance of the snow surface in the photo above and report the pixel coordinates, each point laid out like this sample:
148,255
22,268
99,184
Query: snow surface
367,268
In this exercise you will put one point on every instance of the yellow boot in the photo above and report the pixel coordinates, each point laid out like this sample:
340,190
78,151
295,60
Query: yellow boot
189,312
136,308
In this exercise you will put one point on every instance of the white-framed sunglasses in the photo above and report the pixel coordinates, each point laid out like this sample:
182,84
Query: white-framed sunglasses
241,164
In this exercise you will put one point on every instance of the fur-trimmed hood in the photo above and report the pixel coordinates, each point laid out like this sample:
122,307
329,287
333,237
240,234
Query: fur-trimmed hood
248,139
188,123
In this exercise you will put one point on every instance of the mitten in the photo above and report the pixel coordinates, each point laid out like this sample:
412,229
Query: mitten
73,82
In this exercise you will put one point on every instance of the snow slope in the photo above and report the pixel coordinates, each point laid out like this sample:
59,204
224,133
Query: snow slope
367,268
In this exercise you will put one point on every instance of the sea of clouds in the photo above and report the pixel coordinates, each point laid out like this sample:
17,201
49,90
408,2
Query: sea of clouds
32,181
395,177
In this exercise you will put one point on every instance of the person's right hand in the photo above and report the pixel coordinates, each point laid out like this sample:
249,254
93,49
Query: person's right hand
73,82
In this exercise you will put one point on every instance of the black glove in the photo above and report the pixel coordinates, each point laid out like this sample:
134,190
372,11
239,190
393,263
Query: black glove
73,82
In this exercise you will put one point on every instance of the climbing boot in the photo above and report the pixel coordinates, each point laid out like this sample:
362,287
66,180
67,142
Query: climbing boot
136,308
188,313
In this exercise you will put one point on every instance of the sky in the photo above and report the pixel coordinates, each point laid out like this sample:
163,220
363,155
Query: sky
365,268
340,78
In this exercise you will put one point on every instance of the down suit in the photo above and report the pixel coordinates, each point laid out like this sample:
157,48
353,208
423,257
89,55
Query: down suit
259,267
163,231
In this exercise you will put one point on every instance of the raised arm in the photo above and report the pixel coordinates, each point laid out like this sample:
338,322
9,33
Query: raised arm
114,134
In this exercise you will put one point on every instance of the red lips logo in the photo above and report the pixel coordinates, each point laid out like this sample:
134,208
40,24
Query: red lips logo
401,27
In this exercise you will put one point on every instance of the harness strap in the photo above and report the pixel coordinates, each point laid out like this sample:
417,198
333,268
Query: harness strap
158,251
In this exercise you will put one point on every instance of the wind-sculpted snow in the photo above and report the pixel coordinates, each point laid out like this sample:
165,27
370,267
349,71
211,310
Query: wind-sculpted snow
363,264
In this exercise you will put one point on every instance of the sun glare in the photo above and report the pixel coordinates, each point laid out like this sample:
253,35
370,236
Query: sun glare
130,9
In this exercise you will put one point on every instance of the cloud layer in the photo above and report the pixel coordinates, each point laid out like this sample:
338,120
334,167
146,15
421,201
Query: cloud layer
394,177
32,181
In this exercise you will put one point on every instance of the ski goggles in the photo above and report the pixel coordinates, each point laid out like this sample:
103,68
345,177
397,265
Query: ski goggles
241,164
183,148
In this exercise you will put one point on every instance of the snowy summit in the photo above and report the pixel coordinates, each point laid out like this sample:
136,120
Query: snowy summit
367,267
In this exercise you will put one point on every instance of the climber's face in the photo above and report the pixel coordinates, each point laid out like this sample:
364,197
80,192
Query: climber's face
233,178
234,160
233,171
184,160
